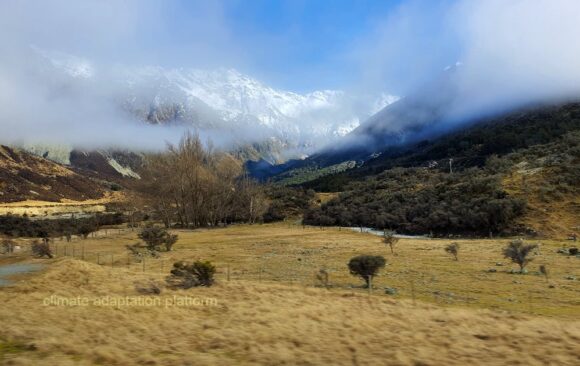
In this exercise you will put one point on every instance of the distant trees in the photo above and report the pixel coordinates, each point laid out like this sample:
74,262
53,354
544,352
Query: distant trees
196,186
16,226
519,252
453,249
419,201
85,228
287,202
366,266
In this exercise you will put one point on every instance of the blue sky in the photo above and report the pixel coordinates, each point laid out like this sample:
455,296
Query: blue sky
293,44
298,45
306,45
315,36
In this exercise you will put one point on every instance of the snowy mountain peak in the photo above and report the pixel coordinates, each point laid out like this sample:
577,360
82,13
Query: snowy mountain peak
226,100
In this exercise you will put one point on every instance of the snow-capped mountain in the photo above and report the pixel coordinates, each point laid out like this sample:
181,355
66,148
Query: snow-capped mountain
228,98
222,101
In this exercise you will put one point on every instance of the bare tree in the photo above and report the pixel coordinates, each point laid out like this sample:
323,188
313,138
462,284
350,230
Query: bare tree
519,252
390,240
197,186
453,249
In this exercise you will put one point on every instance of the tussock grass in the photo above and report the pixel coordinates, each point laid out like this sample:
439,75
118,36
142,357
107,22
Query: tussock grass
262,323
290,254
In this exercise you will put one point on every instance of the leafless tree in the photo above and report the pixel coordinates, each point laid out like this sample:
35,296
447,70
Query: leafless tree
519,252
390,240
194,185
453,249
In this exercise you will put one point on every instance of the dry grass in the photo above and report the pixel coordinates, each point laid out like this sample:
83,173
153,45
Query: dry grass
554,218
287,253
324,197
260,323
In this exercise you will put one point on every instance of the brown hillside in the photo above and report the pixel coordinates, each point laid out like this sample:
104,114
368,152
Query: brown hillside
25,176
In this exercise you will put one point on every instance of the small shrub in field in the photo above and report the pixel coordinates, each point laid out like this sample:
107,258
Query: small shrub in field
41,249
155,237
544,271
365,266
453,249
322,277
187,275
390,240
519,252
573,251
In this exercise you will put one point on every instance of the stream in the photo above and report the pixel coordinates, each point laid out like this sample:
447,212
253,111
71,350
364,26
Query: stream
8,270
380,233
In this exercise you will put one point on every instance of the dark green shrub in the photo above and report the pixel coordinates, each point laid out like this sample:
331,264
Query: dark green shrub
187,275
366,266
155,237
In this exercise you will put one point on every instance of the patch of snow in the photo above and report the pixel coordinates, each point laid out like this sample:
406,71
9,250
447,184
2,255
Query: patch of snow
124,171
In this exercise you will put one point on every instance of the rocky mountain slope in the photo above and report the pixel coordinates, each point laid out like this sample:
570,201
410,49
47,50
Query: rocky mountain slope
24,176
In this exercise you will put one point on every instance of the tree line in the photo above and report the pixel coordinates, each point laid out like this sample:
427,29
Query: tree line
422,201
194,185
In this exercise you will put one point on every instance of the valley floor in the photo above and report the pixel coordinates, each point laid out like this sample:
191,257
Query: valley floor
78,312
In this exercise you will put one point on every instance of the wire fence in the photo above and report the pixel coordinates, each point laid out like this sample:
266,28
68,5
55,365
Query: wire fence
284,268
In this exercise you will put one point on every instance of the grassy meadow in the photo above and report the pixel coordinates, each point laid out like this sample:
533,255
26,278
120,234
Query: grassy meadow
271,311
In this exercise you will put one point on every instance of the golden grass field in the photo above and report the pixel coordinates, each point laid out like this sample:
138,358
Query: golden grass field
269,312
